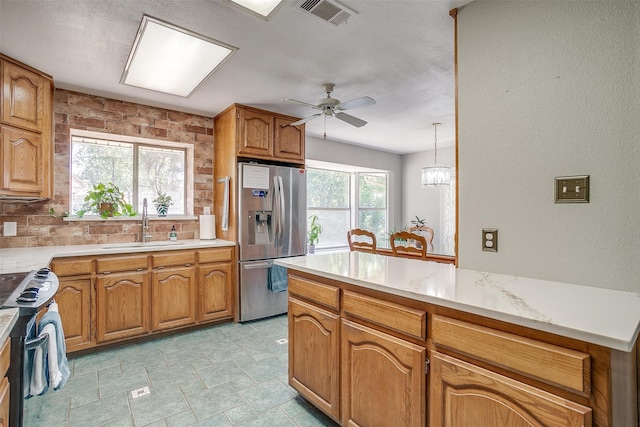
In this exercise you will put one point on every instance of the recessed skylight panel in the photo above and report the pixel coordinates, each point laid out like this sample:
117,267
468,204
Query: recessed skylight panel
264,8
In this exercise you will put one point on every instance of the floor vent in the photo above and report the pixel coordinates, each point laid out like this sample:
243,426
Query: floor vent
328,10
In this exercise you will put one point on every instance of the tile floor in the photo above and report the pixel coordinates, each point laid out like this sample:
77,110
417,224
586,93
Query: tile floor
225,375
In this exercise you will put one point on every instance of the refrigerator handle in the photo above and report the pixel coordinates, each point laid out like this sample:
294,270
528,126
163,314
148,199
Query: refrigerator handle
276,211
266,264
281,211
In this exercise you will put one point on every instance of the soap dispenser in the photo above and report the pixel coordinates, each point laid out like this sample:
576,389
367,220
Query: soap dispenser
172,234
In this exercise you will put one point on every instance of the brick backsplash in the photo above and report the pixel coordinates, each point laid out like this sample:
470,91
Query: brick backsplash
88,112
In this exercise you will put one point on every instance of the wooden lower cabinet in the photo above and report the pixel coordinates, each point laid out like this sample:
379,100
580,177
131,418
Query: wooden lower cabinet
314,355
173,298
383,379
122,305
463,394
215,292
4,402
74,298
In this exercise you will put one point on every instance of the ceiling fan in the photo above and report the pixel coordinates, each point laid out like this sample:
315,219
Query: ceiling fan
333,107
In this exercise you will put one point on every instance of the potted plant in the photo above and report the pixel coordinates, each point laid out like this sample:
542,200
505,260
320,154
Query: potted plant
314,232
106,200
162,202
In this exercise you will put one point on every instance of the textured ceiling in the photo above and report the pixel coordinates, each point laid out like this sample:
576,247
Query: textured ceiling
398,52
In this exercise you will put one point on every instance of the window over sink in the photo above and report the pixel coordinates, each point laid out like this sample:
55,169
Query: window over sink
140,167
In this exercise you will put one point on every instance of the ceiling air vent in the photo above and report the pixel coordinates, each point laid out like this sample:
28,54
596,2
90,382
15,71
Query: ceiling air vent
329,11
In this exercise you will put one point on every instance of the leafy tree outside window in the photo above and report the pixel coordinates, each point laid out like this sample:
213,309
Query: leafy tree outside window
138,169
346,200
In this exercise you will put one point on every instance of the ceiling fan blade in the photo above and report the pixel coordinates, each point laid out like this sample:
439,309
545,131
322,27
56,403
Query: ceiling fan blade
306,104
350,119
305,120
356,103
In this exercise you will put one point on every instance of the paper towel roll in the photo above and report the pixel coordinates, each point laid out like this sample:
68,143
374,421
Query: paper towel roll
207,227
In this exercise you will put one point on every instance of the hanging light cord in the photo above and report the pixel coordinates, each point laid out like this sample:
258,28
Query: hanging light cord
435,145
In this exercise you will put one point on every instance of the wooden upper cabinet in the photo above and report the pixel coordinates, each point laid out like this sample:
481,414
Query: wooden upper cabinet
26,131
23,153
255,133
26,98
289,140
259,134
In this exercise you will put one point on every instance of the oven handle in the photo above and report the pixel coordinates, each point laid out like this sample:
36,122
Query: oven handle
36,342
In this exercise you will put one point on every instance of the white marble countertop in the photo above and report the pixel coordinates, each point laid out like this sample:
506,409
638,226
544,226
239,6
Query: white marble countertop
16,260
8,318
600,316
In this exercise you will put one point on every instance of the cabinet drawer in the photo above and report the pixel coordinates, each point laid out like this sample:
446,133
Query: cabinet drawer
121,263
322,294
393,316
167,259
5,357
547,362
215,255
72,266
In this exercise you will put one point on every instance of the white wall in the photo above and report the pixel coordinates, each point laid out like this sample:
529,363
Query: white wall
544,91
335,152
425,202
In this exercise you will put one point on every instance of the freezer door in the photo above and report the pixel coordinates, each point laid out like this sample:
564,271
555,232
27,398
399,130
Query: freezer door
256,301
272,203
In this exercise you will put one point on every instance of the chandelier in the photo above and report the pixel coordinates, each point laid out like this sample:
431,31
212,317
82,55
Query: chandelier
436,175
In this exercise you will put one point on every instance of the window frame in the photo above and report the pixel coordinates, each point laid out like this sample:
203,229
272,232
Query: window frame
354,198
189,171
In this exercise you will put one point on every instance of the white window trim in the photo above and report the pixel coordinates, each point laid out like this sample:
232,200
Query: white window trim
189,171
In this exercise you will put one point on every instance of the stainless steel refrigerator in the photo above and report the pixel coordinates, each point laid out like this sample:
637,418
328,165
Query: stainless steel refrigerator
272,206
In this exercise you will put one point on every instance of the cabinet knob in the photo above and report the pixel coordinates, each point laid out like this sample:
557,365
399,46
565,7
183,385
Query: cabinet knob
187,265
106,272
139,269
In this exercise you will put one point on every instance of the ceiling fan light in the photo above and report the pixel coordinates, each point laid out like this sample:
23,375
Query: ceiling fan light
433,176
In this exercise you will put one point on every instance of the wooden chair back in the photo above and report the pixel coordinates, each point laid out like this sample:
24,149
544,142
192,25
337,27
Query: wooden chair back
427,232
355,244
411,248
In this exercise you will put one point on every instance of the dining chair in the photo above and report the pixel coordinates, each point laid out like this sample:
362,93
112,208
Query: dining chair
412,247
427,232
354,237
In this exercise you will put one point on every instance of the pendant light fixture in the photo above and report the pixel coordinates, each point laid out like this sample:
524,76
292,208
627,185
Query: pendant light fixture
436,175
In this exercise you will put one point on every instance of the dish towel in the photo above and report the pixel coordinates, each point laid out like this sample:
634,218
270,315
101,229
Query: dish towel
277,278
41,363
57,359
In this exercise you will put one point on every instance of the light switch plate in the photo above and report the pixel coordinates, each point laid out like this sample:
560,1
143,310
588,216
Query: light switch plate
490,239
10,229
572,189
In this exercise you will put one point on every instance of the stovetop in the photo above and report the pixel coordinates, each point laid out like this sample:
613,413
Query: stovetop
33,292
8,283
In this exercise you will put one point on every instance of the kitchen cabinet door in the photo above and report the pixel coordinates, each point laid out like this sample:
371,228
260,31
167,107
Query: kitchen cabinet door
314,355
4,402
74,304
255,133
173,298
123,305
23,162
383,379
215,291
26,98
463,394
289,140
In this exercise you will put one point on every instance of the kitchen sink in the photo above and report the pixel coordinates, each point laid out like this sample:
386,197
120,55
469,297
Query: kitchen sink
141,245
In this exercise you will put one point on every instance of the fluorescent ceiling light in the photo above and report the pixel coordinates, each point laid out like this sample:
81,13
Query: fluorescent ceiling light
264,8
170,59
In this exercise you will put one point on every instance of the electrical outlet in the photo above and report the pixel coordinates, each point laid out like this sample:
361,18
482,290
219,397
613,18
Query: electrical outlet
490,239
10,229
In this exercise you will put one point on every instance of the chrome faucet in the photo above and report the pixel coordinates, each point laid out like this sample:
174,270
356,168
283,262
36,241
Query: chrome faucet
145,222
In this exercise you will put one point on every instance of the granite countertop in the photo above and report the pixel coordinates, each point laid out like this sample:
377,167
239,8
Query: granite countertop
17,260
600,316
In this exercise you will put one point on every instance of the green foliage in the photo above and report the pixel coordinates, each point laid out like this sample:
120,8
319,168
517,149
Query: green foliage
315,229
106,193
52,213
162,198
419,222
